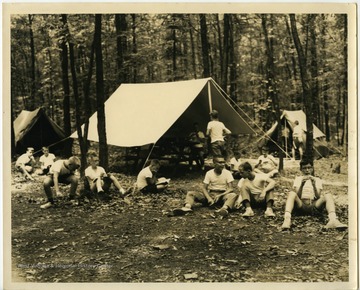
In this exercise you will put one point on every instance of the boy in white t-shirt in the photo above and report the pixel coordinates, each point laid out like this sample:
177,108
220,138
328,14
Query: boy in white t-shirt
308,198
217,188
266,163
147,181
235,162
98,180
25,163
217,130
255,189
46,160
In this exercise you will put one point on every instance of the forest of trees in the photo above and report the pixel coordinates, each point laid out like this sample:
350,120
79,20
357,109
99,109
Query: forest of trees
70,64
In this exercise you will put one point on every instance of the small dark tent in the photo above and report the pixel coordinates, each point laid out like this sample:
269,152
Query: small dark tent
36,129
288,119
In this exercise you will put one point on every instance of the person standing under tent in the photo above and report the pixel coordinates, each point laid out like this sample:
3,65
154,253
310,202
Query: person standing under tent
307,198
217,131
197,144
46,160
25,163
298,140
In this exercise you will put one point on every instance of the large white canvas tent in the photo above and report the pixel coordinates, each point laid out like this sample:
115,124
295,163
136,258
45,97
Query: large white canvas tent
140,114
288,119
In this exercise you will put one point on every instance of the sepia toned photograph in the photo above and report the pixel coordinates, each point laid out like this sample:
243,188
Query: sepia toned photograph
180,145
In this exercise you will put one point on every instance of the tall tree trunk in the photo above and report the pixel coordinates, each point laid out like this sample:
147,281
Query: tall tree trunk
232,63
32,100
134,46
100,99
205,46
82,142
314,68
271,83
121,45
225,59
307,92
218,29
65,82
193,53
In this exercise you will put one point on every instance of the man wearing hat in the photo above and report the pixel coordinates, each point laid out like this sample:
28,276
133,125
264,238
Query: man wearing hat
217,130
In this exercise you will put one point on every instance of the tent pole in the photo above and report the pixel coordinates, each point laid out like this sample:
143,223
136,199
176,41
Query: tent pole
209,95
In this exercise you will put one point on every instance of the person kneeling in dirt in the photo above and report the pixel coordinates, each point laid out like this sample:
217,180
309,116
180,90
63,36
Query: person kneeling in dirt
147,181
308,198
62,171
98,180
255,189
25,163
217,188
266,164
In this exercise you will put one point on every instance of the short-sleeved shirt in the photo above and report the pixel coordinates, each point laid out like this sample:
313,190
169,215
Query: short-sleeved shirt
141,178
218,182
256,185
24,159
234,163
269,159
93,174
217,130
47,160
298,131
197,139
59,167
308,189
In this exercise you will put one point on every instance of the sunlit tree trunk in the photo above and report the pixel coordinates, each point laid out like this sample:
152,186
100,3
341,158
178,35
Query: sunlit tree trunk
205,46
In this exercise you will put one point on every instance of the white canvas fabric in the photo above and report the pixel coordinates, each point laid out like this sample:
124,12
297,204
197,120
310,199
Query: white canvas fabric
140,114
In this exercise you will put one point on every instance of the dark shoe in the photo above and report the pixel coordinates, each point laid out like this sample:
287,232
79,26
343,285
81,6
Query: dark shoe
181,211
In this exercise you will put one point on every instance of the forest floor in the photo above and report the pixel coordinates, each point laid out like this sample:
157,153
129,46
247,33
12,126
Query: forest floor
136,239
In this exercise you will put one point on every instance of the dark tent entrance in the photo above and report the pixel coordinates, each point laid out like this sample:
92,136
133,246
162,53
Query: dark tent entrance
36,129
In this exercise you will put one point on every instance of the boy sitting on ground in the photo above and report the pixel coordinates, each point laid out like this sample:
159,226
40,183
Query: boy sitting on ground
147,181
308,198
98,180
217,187
25,163
46,160
266,164
255,189
235,162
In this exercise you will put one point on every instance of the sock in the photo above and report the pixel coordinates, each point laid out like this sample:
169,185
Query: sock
287,215
332,216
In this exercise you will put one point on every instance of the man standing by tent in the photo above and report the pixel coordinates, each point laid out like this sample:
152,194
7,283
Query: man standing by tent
217,130
298,141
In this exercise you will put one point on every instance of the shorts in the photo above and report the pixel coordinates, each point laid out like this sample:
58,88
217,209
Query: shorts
298,142
308,207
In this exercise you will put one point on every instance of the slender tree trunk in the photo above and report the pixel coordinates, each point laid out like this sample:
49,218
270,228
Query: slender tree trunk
100,99
82,142
271,83
225,59
193,52
314,68
121,44
205,46
32,100
307,92
232,63
134,43
65,82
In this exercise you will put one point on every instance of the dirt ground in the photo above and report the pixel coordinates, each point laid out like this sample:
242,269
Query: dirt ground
137,240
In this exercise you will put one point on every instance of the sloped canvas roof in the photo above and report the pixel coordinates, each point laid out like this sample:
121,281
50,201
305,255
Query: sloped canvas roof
35,129
291,117
140,114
